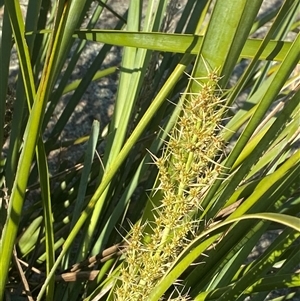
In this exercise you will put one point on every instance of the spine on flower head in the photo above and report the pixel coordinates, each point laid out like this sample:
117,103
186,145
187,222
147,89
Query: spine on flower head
185,170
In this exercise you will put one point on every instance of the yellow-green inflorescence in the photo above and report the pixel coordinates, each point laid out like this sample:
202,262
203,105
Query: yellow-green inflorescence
186,170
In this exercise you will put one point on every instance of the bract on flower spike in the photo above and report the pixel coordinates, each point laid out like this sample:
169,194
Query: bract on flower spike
186,169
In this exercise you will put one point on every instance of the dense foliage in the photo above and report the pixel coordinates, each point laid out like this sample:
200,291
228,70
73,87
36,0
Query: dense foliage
194,170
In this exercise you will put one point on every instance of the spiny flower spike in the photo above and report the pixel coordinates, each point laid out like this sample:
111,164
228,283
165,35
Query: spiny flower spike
186,170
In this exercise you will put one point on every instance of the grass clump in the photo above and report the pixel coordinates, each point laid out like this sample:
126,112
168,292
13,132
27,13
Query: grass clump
161,163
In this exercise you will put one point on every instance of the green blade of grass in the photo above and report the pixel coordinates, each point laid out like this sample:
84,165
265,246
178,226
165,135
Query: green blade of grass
18,191
88,160
222,46
264,284
183,43
48,219
5,48
194,250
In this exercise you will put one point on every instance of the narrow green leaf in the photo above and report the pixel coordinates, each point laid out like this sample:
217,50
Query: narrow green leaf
267,283
18,191
47,210
179,43
29,238
195,249
222,45
84,180
100,74
5,49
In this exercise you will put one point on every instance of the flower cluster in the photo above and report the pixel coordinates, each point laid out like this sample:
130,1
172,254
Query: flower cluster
186,170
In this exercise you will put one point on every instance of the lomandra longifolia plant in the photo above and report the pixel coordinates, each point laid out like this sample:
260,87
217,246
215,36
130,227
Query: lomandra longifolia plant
186,169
